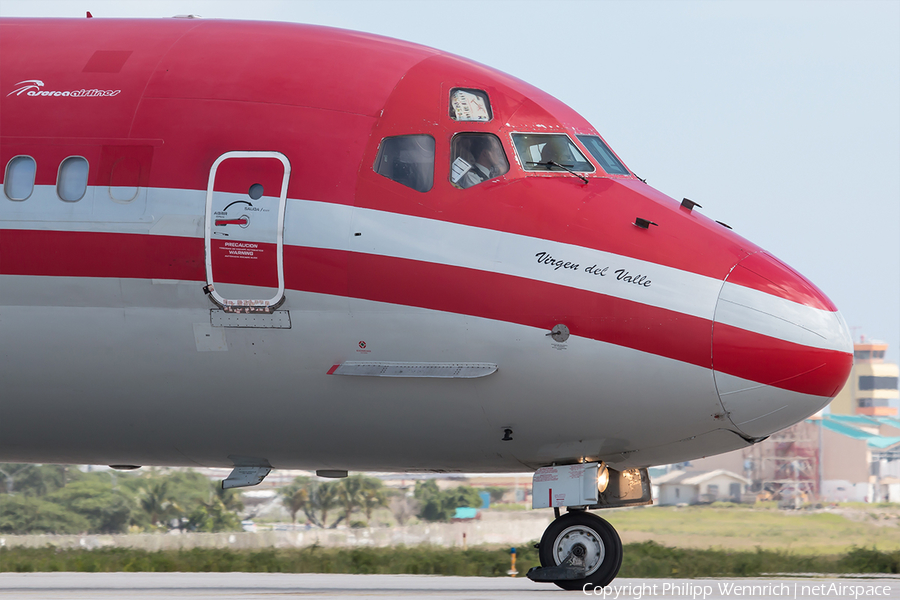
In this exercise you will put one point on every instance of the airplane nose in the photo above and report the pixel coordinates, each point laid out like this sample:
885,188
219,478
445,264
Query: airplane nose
781,350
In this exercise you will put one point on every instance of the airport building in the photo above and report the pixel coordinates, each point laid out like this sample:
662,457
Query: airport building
696,487
872,385
826,458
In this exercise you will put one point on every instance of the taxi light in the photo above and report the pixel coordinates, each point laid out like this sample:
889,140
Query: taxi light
602,478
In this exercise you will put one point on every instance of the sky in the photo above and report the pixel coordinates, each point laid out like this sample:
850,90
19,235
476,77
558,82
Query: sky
781,119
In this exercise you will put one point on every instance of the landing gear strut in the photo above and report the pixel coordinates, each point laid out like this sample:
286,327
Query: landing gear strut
579,549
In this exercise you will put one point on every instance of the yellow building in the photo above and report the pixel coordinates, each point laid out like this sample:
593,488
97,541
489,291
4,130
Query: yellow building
873,383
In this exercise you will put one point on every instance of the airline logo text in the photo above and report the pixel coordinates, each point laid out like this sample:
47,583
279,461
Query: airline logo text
32,87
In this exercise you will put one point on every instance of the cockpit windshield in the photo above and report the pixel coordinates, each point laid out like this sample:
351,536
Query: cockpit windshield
408,160
550,152
603,155
476,157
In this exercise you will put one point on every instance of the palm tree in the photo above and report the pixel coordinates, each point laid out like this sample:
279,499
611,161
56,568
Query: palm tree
230,499
155,500
373,497
350,490
295,499
325,498
219,513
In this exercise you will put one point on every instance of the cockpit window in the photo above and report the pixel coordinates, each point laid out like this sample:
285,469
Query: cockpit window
469,105
408,160
603,155
476,157
550,152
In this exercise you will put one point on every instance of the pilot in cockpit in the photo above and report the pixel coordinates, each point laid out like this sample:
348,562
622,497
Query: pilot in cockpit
477,157
554,153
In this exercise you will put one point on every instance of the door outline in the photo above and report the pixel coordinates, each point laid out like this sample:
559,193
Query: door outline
249,305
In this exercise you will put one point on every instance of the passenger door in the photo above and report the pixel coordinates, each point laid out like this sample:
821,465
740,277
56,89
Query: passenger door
244,230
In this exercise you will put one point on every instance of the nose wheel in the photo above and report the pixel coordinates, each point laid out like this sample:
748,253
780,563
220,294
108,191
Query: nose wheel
579,549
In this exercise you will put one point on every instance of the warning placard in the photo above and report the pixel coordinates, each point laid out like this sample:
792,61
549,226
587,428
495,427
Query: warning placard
246,250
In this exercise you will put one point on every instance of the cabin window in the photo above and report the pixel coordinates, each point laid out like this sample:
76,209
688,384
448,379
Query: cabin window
476,158
549,152
469,105
601,152
18,183
408,160
71,183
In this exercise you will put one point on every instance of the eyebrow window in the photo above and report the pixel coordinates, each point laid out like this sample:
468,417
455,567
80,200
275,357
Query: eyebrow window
601,152
476,158
408,160
469,105
71,183
549,152
19,180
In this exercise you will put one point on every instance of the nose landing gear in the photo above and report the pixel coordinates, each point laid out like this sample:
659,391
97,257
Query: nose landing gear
579,549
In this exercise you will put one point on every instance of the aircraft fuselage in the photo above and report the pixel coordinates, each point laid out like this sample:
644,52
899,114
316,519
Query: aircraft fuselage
362,308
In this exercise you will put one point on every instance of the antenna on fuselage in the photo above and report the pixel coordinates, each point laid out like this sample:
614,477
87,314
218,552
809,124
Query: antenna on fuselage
689,204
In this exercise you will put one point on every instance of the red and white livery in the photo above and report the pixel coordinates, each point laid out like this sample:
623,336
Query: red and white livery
269,245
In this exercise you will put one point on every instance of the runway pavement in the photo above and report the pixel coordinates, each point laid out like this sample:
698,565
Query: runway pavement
253,586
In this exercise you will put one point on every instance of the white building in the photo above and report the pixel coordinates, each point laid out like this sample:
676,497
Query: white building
699,487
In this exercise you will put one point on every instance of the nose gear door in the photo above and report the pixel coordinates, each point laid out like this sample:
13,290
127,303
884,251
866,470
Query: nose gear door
244,230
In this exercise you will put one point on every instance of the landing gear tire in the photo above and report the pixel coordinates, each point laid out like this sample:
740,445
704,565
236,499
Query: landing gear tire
588,538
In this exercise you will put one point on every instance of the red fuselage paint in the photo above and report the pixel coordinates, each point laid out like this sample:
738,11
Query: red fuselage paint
152,104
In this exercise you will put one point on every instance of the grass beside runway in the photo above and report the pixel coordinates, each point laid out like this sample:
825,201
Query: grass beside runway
830,531
646,559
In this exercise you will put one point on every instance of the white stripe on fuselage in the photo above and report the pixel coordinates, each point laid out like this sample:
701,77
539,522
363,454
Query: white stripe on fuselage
332,226
441,242
780,318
